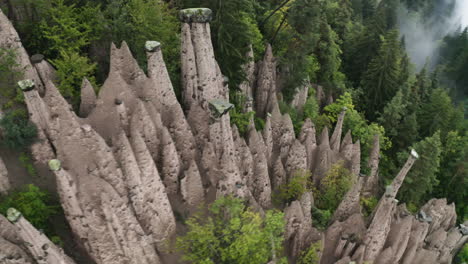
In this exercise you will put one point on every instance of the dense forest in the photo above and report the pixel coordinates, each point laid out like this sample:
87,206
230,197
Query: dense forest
354,49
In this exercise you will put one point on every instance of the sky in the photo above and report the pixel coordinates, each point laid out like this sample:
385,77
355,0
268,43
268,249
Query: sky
462,11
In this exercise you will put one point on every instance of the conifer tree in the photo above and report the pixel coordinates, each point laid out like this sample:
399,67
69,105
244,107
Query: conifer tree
436,114
328,53
380,81
422,178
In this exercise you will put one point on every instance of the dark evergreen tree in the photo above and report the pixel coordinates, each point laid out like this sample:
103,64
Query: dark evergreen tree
381,80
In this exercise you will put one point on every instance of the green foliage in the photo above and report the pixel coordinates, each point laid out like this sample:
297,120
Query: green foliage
310,110
462,257
421,180
333,187
453,172
241,120
357,124
137,21
368,204
17,131
35,205
68,31
10,73
71,69
232,233
238,117
312,255
328,54
381,80
294,189
26,162
321,218
437,113
68,28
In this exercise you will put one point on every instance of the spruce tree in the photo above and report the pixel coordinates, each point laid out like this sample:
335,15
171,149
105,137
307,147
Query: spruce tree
328,53
381,80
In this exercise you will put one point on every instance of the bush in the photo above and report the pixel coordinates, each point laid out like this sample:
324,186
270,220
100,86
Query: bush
10,73
310,110
320,218
35,205
232,233
18,132
26,162
294,189
368,204
333,187
312,255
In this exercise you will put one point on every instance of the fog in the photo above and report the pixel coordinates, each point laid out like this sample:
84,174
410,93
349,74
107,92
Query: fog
423,34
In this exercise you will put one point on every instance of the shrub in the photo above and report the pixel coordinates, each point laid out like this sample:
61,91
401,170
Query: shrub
333,187
368,204
320,218
10,73
232,233
26,162
35,205
294,189
18,131
312,255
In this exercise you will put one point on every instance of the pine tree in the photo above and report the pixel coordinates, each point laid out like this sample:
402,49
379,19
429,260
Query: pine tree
422,178
380,81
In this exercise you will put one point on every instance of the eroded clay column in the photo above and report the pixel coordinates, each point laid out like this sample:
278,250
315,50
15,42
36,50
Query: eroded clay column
201,78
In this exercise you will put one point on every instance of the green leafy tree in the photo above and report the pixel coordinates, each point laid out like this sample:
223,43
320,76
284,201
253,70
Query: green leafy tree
17,131
422,178
356,123
333,187
294,189
232,233
35,205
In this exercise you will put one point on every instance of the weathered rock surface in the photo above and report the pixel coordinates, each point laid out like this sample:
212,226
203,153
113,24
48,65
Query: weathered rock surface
4,180
20,242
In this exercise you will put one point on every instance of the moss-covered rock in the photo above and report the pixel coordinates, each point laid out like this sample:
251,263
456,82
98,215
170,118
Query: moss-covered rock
26,85
220,107
13,215
55,165
152,46
196,15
